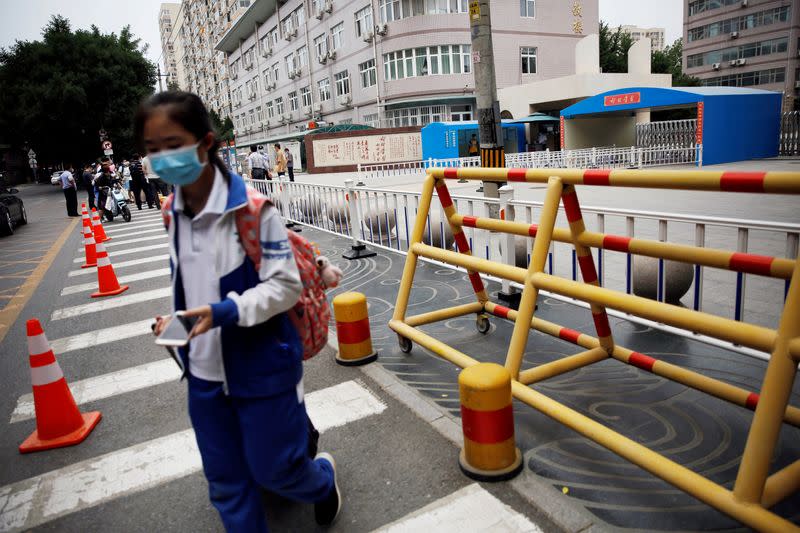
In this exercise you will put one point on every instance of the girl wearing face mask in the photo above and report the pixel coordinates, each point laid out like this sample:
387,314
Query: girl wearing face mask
244,360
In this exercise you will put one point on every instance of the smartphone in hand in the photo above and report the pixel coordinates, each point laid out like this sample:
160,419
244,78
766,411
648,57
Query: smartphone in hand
176,334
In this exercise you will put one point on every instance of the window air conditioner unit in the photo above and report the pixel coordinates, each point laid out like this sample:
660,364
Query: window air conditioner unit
734,35
235,76
316,108
345,99
715,66
266,51
744,3
322,59
732,62
367,36
265,123
797,85
329,6
282,119
319,14
290,74
298,72
741,62
273,85
288,35
331,54
307,110
382,29
293,32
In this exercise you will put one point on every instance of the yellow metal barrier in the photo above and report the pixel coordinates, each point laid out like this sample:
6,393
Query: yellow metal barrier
755,490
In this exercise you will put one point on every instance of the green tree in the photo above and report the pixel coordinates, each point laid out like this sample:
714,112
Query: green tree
614,46
60,91
670,61
224,128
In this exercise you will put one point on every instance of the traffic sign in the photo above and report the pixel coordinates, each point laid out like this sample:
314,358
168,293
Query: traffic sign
106,145
109,151
102,133
31,154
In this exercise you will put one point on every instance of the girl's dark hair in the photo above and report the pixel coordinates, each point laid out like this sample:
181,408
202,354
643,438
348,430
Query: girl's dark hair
186,109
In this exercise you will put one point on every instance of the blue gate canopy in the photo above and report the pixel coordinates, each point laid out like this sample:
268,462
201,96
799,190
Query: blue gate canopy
733,123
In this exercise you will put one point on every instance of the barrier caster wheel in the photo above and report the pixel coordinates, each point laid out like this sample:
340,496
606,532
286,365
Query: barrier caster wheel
482,323
405,344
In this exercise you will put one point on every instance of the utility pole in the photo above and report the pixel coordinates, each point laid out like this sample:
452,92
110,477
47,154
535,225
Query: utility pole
489,129
160,86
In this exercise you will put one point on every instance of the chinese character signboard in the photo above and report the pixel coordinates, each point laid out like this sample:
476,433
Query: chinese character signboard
367,149
622,99
577,13
699,123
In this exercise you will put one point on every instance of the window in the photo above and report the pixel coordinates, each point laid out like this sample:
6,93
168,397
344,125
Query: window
266,78
293,102
371,120
302,56
270,110
368,74
426,61
255,85
321,45
773,46
338,36
745,22
305,96
342,83
276,70
252,117
290,63
528,54
287,25
747,79
527,8
460,113
299,17
264,45
279,105
317,5
698,6
363,21
324,87
272,36
259,116
346,121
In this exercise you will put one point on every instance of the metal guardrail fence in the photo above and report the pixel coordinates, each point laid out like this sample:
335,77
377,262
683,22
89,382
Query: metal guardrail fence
384,218
790,133
666,133
599,157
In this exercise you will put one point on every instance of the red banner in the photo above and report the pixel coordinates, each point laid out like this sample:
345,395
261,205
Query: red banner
622,99
563,147
699,123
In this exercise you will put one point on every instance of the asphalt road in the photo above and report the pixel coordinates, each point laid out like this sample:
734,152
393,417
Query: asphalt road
139,469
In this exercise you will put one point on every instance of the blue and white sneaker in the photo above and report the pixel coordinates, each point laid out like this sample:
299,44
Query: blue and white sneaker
326,511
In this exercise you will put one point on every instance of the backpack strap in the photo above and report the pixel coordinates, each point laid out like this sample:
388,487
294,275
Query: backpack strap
248,224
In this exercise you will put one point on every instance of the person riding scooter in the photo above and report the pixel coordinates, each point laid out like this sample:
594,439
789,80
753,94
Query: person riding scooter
102,183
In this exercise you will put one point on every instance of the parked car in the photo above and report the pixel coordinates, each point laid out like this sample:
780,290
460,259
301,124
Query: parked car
12,211
55,177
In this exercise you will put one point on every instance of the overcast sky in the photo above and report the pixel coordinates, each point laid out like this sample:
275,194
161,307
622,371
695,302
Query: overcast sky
25,20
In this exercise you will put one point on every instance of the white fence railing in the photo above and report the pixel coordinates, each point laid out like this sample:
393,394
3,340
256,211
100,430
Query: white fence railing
384,218
601,157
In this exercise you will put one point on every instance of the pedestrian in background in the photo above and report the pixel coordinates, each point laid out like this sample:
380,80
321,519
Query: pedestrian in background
86,183
70,189
280,161
255,163
473,146
139,184
158,185
125,172
289,164
244,359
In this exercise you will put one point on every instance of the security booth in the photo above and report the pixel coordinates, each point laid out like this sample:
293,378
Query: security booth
447,140
543,134
733,123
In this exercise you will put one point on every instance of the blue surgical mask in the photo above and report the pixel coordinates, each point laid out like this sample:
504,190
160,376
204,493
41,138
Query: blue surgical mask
178,167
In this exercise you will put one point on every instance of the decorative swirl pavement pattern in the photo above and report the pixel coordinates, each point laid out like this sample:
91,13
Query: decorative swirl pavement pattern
698,431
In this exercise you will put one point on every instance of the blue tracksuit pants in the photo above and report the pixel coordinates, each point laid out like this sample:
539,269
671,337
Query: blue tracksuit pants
247,443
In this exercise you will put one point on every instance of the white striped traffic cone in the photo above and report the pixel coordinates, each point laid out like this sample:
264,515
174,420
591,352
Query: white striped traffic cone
106,278
59,423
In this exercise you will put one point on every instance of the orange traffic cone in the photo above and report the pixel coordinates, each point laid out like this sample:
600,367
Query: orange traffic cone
106,279
97,225
58,421
89,247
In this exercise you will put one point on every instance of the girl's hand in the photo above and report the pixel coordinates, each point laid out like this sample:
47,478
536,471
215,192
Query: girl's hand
161,324
204,320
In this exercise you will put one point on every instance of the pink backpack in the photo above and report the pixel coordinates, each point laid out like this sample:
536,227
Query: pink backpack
312,313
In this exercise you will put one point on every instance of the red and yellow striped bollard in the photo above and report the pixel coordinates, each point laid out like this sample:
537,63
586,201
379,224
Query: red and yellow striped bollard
352,330
487,419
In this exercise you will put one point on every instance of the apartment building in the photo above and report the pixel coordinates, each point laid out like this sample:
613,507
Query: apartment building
744,43
170,26
385,62
656,36
204,23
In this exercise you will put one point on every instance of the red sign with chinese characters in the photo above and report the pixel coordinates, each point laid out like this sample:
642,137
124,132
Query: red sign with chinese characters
699,123
562,147
622,99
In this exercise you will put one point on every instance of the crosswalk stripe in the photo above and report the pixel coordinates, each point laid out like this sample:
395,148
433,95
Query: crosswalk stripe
107,385
37,500
113,243
133,225
469,509
127,251
74,289
101,336
114,302
122,264
139,231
